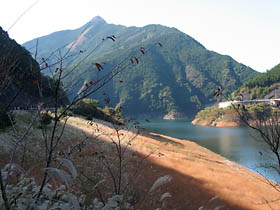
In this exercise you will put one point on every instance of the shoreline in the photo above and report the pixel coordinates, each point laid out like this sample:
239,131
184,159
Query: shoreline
199,174
220,124
213,169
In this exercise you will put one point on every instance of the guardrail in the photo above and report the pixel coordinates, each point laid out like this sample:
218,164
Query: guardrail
273,102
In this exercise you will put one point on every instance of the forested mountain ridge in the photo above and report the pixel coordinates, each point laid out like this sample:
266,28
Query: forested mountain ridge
265,85
178,78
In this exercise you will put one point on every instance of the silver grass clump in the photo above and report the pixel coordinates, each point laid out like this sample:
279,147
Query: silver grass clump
213,198
23,196
63,176
72,203
165,195
69,165
13,168
219,207
161,181
163,200
114,203
210,201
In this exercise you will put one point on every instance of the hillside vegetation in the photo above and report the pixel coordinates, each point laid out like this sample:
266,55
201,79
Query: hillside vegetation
90,109
229,117
265,85
265,79
177,78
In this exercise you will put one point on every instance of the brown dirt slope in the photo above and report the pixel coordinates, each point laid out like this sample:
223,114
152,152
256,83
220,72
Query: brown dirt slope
199,175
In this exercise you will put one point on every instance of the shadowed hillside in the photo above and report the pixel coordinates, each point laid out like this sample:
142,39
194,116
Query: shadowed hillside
21,81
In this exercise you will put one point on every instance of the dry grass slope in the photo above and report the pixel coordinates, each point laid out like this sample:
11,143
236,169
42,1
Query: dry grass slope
200,178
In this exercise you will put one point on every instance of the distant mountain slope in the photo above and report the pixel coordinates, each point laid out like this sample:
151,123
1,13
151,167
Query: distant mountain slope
178,78
265,79
265,85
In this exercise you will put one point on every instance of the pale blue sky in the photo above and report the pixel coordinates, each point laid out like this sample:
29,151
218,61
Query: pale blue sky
247,30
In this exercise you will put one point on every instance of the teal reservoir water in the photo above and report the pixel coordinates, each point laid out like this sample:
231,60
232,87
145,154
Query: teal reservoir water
237,144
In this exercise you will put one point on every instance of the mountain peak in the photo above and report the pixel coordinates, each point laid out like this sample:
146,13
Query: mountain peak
97,19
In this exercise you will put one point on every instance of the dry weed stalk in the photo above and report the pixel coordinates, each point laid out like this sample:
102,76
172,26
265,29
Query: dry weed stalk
115,161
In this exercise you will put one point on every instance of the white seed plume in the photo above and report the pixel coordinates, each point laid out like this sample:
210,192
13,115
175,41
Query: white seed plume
160,181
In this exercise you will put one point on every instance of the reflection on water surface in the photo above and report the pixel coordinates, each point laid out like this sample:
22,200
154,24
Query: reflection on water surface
236,144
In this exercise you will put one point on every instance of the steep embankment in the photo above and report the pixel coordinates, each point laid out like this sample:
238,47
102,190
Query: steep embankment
198,174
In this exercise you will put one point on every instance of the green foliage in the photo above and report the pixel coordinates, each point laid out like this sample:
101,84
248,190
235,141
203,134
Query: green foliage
262,85
90,108
68,113
230,114
210,114
180,76
7,117
5,120
265,79
45,119
259,111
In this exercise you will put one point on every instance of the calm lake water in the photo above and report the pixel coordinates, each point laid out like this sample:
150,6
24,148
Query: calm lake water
236,144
